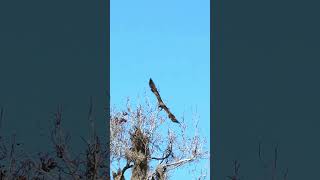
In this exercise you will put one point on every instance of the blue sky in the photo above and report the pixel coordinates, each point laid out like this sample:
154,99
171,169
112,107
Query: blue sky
168,41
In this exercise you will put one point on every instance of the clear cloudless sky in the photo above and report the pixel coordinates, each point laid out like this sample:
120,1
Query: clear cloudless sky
168,41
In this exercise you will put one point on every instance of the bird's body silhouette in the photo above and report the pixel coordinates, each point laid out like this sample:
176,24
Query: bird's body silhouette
160,102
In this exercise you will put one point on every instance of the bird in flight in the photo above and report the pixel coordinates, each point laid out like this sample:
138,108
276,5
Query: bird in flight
160,102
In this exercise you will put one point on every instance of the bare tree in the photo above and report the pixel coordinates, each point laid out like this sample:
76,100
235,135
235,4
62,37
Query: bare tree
59,163
141,139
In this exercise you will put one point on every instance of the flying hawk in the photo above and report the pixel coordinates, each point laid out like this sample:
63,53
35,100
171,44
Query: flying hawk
160,102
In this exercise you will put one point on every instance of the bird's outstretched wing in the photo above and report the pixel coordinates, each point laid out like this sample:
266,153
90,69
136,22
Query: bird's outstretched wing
170,115
160,102
156,92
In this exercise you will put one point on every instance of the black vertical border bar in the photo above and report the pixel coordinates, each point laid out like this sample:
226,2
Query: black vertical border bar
211,89
105,24
214,78
107,19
